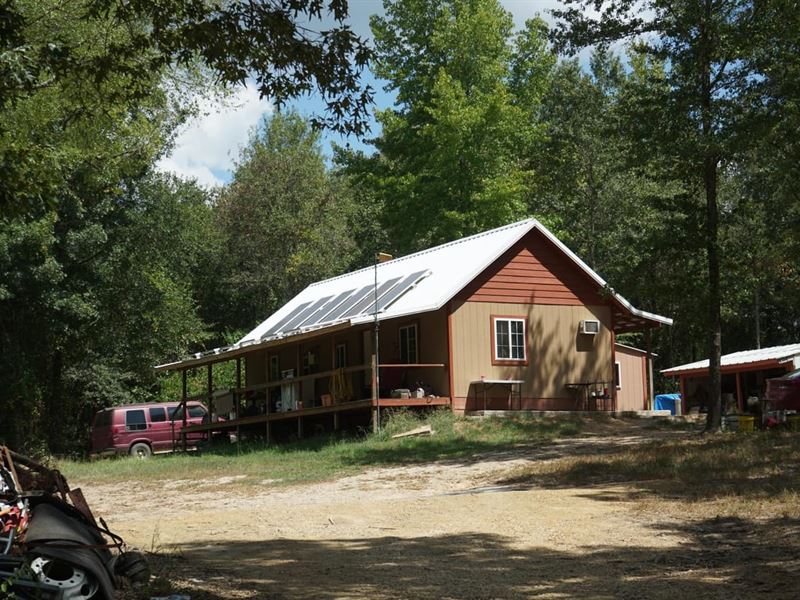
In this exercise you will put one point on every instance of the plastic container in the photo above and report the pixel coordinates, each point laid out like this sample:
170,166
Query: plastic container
730,422
747,423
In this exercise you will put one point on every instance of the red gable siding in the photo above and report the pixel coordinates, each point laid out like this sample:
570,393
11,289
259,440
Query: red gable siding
533,271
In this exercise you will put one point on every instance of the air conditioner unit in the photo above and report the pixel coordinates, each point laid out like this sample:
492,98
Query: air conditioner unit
590,327
287,374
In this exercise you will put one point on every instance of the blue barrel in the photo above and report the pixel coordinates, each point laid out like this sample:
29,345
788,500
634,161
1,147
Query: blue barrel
668,402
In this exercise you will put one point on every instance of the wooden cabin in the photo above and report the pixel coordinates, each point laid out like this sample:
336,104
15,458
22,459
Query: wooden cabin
508,319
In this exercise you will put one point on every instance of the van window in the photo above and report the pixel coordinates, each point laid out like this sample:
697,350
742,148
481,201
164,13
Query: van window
197,411
158,414
135,421
102,418
176,414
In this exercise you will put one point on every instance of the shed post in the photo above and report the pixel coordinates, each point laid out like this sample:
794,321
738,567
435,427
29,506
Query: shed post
682,380
649,348
739,396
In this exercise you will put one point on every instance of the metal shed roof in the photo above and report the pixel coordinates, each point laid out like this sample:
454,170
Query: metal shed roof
775,356
442,271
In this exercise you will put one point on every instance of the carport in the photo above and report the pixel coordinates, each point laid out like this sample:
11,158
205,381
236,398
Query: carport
743,375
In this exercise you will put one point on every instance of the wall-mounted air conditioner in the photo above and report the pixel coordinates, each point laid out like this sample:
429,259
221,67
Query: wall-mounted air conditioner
590,327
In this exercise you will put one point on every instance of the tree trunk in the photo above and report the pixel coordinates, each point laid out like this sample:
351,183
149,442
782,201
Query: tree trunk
714,322
757,310
710,164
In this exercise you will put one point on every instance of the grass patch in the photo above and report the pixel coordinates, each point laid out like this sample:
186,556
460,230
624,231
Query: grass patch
321,458
752,475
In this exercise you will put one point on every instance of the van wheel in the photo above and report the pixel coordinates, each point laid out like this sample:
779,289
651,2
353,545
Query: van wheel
141,450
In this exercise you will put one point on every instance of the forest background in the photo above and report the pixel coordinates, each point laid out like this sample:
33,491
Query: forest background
108,267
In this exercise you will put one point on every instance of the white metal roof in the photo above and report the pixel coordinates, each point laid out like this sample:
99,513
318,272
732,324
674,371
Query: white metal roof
448,268
780,354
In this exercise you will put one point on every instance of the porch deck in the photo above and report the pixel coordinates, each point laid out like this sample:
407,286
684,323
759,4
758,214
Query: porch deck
334,410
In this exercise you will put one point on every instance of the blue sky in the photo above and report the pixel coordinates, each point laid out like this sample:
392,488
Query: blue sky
207,147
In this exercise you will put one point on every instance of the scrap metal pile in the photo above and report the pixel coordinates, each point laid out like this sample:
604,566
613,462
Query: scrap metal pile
51,545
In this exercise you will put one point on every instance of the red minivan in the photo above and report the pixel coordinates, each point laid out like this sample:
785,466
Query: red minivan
783,393
142,429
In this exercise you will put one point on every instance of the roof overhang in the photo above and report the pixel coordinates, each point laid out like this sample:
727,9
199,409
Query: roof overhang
772,363
226,353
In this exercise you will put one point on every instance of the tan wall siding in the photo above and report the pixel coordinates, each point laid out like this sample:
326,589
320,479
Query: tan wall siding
631,395
557,353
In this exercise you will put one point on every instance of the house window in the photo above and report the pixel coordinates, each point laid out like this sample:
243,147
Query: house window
408,344
509,339
274,367
340,359
617,376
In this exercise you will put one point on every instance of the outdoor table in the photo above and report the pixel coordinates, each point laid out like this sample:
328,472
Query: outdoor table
485,384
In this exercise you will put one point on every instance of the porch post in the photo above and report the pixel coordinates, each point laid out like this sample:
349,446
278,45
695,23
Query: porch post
236,397
183,403
210,387
210,390
374,393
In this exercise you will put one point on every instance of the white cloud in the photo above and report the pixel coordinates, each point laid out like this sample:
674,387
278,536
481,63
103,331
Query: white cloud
209,143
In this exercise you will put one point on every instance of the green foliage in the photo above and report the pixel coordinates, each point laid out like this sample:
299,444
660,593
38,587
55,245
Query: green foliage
95,295
700,101
449,159
287,221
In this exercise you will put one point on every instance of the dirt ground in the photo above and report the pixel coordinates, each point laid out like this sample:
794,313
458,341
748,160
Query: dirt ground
442,530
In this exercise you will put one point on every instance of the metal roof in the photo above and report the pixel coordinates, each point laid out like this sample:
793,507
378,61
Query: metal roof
446,269
776,354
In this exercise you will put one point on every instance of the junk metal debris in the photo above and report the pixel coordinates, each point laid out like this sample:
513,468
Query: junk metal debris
51,545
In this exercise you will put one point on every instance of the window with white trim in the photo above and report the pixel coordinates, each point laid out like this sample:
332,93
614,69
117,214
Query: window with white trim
509,339
618,375
408,344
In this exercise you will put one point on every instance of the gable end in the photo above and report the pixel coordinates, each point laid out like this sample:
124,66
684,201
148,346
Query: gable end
533,271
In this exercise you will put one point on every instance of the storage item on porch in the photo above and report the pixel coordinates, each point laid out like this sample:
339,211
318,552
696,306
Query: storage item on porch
730,422
401,393
289,396
327,400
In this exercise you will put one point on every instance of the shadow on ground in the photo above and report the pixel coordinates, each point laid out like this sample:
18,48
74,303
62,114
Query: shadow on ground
759,466
730,558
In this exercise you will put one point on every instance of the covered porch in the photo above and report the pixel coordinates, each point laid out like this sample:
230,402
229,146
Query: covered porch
323,380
